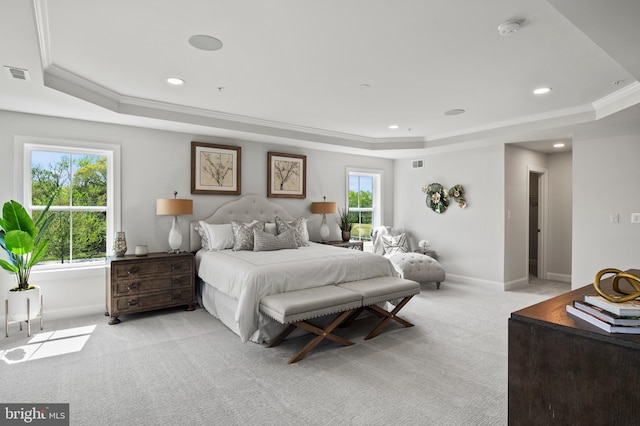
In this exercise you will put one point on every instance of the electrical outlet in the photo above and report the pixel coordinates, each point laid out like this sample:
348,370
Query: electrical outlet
635,217
615,218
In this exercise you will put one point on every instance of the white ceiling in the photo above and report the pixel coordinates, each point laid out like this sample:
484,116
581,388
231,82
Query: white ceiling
330,73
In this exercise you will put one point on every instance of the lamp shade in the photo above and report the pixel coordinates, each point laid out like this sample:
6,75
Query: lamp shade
173,206
323,207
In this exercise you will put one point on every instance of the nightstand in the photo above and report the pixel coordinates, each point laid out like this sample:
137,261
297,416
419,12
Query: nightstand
144,283
355,245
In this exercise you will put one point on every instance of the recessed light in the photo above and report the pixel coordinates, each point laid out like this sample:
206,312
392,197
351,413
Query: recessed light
205,42
456,111
542,90
394,126
175,81
558,145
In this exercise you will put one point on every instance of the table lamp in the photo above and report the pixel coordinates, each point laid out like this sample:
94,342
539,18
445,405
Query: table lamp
174,207
323,207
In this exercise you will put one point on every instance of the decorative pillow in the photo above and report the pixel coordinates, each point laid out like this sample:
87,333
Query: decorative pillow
215,236
299,227
263,241
395,244
243,234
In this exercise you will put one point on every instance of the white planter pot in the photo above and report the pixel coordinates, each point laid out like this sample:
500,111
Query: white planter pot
18,304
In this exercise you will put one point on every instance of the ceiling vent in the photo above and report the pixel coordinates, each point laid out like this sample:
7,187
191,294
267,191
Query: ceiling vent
18,73
417,164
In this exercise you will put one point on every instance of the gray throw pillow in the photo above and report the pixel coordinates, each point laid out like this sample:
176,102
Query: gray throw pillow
299,228
243,234
263,241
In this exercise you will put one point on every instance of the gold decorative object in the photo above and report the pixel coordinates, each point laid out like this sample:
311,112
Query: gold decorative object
633,280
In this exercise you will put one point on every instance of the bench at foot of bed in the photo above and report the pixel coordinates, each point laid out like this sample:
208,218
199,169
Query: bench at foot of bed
348,299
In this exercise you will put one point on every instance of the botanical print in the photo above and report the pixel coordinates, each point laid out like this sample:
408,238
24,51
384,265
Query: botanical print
286,175
216,169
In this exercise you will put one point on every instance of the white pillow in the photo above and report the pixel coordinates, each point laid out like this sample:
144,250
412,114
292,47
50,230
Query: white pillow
395,244
270,228
215,236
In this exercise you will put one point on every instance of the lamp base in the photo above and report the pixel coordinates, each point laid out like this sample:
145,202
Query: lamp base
324,229
175,238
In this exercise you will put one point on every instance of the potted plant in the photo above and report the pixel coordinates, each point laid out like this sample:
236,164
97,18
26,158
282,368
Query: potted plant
23,241
346,223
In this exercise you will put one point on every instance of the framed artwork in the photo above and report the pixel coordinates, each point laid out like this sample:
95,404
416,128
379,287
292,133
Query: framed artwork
287,175
215,169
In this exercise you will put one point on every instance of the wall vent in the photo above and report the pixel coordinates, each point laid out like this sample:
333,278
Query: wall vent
18,73
417,164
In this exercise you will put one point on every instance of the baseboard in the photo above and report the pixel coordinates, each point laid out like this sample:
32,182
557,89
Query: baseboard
470,280
564,278
73,312
515,284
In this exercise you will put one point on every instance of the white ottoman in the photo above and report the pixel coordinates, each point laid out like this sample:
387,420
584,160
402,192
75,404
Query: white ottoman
418,267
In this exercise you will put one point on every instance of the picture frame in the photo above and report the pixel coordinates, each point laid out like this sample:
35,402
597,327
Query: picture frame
287,175
215,169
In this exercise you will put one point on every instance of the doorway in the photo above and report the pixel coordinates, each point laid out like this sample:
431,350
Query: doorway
537,196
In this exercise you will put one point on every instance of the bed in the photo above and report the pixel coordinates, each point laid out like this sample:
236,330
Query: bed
232,282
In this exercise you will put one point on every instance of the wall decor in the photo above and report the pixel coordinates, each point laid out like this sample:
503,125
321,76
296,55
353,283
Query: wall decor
215,169
438,197
287,176
457,193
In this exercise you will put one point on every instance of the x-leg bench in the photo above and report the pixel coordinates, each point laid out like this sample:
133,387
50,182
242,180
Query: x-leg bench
296,307
379,290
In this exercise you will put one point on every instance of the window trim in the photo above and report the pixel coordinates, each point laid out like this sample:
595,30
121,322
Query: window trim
23,145
378,178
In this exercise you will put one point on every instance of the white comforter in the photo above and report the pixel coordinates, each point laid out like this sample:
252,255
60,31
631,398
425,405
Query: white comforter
248,276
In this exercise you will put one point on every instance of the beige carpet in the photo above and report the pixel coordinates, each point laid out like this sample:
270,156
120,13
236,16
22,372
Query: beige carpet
185,368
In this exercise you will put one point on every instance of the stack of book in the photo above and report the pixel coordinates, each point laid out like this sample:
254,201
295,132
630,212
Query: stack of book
610,316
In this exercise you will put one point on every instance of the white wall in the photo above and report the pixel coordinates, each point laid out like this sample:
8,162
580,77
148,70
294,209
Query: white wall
606,176
470,241
560,228
154,164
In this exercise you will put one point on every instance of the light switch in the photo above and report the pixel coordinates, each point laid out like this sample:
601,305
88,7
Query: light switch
635,217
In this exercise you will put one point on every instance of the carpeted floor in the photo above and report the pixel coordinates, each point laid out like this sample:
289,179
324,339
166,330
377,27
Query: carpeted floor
184,368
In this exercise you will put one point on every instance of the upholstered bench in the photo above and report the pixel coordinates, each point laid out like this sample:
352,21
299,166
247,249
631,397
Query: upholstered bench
382,289
296,307
418,267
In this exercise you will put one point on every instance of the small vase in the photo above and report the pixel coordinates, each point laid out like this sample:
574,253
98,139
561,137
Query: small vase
346,235
119,244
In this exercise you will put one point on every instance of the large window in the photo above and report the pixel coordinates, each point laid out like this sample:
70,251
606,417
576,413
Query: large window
83,180
364,202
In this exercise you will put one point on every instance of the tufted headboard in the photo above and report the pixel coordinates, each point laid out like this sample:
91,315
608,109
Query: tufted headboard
245,209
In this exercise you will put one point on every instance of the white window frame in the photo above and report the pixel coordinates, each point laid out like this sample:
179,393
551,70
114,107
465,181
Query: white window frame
24,145
378,176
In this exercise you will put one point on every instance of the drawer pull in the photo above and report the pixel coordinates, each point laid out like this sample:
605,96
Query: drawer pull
133,270
132,286
176,266
132,302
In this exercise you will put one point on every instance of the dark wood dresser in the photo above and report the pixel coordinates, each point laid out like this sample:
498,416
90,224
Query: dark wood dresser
144,283
565,371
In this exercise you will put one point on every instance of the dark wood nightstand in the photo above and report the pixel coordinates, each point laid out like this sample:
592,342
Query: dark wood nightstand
144,283
355,245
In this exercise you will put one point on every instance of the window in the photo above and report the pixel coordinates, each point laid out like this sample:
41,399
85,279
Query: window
364,202
83,177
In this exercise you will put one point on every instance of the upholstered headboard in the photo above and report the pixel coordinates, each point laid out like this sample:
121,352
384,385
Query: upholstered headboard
245,209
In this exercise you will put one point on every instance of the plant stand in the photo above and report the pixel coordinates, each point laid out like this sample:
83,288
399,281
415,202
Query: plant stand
28,320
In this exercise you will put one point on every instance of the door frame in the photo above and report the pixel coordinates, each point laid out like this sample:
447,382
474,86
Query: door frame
543,194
